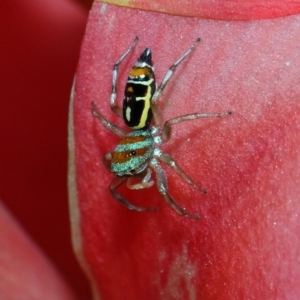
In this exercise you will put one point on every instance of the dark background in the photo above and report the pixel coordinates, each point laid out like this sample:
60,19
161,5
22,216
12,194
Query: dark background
39,49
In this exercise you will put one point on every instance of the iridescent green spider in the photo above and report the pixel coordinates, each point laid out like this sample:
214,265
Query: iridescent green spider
138,152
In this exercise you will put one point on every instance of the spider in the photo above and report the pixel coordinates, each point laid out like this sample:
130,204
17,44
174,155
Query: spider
138,152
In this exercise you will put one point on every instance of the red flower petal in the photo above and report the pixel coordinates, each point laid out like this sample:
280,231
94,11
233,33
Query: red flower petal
245,245
218,9
25,273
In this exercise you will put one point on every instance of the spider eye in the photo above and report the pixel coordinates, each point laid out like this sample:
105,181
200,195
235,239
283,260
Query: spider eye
132,153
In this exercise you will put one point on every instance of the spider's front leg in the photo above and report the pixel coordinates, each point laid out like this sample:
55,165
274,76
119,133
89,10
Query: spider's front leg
161,182
145,182
107,161
169,160
115,184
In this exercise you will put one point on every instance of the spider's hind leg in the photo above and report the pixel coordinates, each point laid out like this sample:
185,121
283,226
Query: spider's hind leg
108,125
113,96
154,106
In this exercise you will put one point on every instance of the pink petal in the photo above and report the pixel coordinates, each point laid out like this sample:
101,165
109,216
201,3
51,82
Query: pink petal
217,9
25,273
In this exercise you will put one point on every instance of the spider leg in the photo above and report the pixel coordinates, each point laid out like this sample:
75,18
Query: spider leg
146,181
155,109
169,160
117,182
161,182
108,125
107,160
113,96
166,130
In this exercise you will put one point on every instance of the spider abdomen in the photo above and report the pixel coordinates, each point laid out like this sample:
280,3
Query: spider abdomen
140,87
